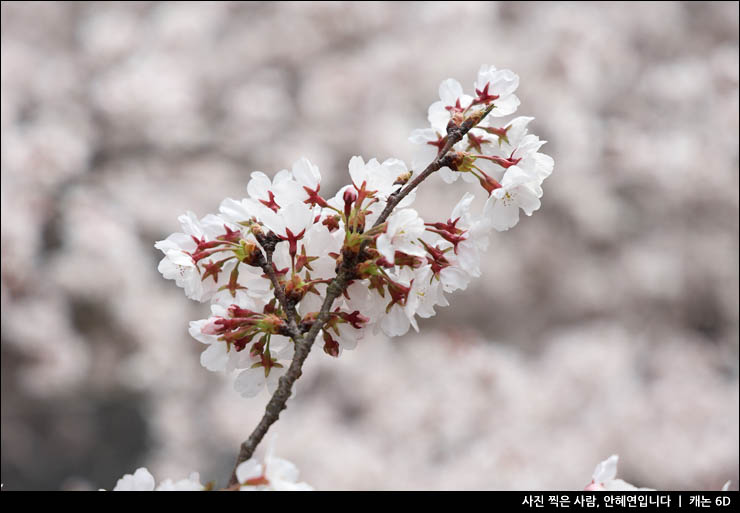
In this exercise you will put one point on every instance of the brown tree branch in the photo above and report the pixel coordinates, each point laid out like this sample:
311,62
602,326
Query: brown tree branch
265,263
302,348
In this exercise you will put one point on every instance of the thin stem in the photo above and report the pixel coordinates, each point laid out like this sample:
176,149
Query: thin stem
454,135
266,264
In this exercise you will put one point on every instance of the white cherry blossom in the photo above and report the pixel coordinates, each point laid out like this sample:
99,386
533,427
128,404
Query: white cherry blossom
501,83
465,255
306,174
520,148
291,221
140,481
452,99
190,484
250,382
426,293
347,336
261,372
254,295
280,191
376,176
241,211
360,298
218,356
401,234
429,142
179,264
518,190
396,322
455,277
604,478
276,474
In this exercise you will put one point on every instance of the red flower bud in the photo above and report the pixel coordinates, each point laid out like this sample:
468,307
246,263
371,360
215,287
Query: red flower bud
349,197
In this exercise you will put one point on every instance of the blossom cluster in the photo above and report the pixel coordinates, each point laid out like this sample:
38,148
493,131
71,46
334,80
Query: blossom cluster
143,481
274,474
502,157
264,262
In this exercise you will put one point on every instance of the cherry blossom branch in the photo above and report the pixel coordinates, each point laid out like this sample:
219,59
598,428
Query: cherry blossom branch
302,343
389,257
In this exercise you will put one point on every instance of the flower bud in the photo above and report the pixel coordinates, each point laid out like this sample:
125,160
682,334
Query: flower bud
349,197
249,253
488,183
403,178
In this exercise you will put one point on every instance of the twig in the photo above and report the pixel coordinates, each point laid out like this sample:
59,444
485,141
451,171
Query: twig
266,264
285,384
454,135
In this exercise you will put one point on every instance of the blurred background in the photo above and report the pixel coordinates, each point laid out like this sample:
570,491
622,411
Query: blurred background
606,323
